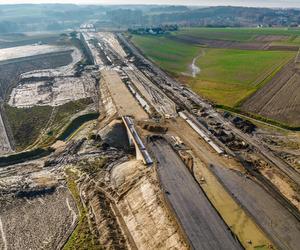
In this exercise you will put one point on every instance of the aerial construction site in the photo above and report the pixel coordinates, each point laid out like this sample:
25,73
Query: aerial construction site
117,154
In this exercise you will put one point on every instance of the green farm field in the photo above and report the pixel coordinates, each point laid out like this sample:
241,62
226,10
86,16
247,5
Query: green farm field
227,76
289,35
172,56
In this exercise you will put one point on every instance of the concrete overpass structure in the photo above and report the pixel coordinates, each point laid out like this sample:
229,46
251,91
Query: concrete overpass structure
135,140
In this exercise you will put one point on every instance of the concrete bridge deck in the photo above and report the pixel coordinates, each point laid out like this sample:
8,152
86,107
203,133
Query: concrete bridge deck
135,139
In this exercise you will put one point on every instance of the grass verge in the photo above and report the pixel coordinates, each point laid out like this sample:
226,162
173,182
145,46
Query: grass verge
82,238
257,117
76,123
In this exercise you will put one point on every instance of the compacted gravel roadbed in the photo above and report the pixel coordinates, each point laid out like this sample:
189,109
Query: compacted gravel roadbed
203,226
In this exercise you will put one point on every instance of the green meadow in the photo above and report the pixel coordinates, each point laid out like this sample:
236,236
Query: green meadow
227,75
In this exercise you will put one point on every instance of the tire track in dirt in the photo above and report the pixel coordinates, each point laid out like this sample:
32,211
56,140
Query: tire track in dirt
3,235
72,212
5,146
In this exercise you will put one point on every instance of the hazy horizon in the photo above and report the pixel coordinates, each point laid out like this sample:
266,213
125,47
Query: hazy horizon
249,3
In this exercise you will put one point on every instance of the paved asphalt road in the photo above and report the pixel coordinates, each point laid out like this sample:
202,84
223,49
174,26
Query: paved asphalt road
203,226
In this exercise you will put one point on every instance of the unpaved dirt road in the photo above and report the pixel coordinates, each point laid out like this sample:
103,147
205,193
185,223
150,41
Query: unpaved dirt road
266,211
4,242
281,226
5,146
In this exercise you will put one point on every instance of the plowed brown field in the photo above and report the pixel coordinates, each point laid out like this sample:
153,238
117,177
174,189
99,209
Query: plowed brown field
261,43
280,98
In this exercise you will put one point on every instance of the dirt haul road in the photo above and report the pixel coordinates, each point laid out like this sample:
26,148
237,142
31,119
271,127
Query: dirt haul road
123,99
185,97
5,146
148,91
204,227
273,218
285,231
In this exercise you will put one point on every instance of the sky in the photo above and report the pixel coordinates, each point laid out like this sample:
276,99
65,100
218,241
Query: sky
250,3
